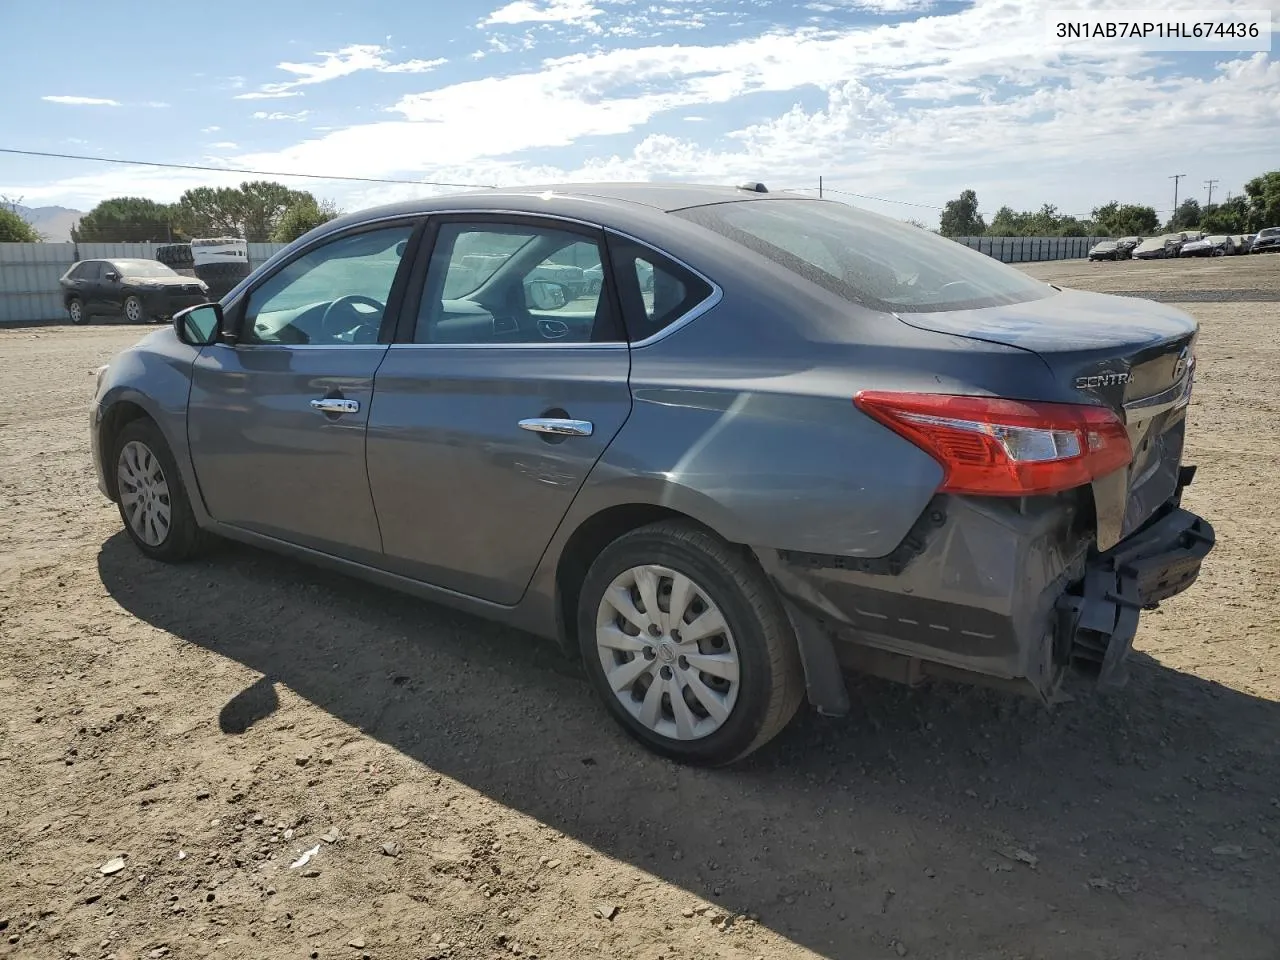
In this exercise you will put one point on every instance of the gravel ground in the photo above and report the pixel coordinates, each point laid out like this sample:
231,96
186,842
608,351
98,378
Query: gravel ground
172,739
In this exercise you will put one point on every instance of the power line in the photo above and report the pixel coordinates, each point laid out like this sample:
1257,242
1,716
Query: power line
257,173
911,203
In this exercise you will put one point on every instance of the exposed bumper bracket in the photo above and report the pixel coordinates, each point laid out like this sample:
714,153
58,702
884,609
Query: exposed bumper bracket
1098,617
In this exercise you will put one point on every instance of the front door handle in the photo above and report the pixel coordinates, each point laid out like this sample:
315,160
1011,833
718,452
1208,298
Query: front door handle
557,426
335,405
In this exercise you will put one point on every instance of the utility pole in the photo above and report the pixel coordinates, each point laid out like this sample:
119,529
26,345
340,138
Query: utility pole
11,202
819,187
1209,183
1175,178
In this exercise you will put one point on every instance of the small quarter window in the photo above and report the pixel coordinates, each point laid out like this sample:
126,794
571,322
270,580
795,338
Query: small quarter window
655,290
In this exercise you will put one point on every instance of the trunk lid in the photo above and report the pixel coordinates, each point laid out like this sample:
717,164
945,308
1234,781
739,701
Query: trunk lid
1133,356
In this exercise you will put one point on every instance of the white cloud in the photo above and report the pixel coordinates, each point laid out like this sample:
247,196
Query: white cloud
210,129
552,11
267,95
413,66
225,145
83,101
300,115
340,63
969,98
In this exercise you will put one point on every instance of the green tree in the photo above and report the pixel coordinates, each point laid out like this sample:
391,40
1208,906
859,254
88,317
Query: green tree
1187,215
1230,216
1264,200
303,217
960,217
125,219
1010,223
13,229
1126,220
252,211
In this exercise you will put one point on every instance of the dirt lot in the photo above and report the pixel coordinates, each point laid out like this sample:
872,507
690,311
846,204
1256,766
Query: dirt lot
466,798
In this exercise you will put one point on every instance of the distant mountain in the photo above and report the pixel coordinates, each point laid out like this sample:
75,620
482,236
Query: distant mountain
52,223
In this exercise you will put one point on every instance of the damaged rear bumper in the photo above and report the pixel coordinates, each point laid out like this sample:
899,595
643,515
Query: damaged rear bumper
986,593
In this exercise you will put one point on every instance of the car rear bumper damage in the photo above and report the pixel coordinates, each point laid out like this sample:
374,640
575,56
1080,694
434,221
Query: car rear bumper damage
990,593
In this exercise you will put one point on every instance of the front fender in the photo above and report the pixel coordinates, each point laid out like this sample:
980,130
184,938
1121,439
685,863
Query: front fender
153,375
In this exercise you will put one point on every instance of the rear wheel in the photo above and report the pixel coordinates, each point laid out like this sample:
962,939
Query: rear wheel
688,645
153,502
75,312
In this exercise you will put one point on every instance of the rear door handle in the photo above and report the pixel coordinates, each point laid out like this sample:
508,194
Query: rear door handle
557,426
335,405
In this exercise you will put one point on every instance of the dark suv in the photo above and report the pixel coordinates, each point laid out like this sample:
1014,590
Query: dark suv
142,291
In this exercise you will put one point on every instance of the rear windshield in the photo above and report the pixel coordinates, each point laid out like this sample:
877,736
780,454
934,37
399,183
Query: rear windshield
142,268
879,262
1269,232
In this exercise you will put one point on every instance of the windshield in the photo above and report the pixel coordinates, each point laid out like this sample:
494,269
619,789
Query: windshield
879,262
1105,245
1269,232
142,268
1155,243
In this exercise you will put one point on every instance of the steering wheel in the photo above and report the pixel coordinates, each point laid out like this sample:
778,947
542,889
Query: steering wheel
329,319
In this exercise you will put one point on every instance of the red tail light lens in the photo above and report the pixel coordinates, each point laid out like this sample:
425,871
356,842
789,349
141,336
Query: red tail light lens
1005,448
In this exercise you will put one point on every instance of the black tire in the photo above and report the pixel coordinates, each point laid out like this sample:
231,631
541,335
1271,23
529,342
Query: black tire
134,310
183,537
76,312
221,278
175,255
771,678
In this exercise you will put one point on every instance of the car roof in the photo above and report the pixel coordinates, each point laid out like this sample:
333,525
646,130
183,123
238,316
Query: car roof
611,203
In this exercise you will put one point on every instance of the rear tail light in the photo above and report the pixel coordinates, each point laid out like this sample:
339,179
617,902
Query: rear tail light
1005,448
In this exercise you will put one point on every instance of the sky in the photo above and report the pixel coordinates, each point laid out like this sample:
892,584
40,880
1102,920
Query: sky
908,101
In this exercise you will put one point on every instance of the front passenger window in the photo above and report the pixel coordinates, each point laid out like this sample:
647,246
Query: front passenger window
334,294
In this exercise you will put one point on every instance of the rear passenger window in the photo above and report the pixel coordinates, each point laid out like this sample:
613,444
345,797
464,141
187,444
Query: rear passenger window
655,291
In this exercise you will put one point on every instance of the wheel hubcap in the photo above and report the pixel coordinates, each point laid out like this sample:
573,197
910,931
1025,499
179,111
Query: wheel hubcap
667,652
132,310
144,493
75,312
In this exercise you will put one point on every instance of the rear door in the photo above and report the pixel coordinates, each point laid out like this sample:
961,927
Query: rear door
500,396
277,420
92,286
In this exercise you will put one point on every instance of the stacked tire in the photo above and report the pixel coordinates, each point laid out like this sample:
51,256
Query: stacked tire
221,278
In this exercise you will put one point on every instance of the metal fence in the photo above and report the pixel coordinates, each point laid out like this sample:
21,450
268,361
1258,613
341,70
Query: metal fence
1030,249
29,272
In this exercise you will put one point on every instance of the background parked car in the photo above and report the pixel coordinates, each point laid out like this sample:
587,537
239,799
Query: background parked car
1158,248
1241,243
1105,250
1214,246
1125,247
1267,240
142,291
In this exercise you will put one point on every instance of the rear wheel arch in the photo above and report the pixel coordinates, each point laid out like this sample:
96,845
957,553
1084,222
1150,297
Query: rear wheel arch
587,542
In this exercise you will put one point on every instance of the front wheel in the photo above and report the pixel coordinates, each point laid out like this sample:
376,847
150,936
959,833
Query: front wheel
688,645
153,502
75,312
134,311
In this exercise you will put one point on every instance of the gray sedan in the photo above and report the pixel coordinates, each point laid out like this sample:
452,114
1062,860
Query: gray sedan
781,439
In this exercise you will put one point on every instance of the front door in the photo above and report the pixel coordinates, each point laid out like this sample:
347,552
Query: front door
277,420
486,422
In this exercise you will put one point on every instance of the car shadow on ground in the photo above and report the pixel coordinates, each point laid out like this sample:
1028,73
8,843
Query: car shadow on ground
955,821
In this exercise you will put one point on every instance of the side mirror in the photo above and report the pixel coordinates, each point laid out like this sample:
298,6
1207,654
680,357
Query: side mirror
112,275
200,325
545,294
